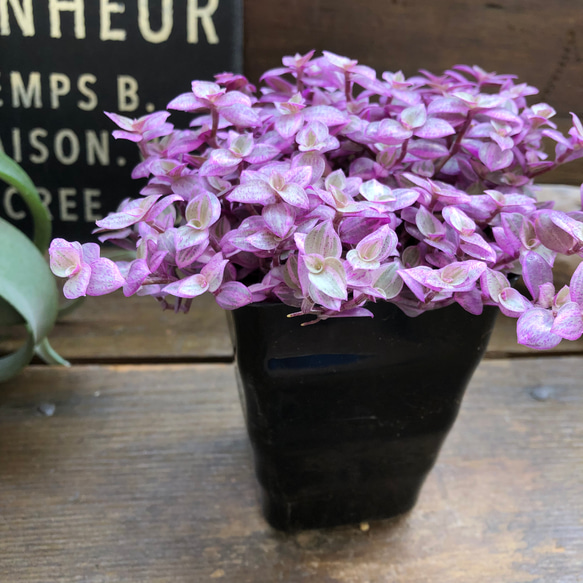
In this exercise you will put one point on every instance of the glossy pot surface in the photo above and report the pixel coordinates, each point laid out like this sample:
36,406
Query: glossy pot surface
346,417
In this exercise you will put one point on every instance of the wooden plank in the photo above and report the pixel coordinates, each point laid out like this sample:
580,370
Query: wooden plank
118,329
143,474
538,40
114,329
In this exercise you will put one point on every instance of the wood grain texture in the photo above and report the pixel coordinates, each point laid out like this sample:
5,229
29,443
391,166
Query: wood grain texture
541,41
129,340
130,330
113,329
143,475
118,329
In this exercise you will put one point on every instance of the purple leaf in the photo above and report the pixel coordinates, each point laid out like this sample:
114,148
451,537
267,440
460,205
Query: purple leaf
76,286
254,192
568,322
192,286
241,116
534,329
512,302
435,128
295,195
576,285
327,275
535,272
325,114
289,125
279,218
233,295
324,241
494,158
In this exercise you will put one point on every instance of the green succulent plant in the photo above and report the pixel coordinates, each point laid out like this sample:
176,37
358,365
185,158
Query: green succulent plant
28,293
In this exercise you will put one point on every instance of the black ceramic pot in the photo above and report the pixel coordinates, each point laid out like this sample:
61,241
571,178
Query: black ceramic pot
346,417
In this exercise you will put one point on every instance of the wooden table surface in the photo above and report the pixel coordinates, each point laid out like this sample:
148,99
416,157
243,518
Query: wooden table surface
133,466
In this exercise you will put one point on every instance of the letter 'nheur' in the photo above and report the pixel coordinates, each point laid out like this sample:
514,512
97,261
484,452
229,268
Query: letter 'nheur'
19,14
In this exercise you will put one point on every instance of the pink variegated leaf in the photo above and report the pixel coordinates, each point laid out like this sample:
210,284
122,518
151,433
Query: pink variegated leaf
568,224
323,240
65,257
76,285
459,220
378,245
434,128
375,191
191,287
568,322
557,137
414,117
316,296
448,105
326,114
161,206
91,252
426,149
405,197
300,175
131,214
534,329
220,163
105,277
232,295
254,192
315,160
264,240
576,285
546,295
279,218
186,257
289,125
413,277
121,135
470,300
494,158
262,153
503,115
213,271
295,195
428,224
186,237
535,272
207,90
476,246
512,302
241,116
388,131
387,280
328,276
492,283
136,275
554,236
187,102
203,211
125,123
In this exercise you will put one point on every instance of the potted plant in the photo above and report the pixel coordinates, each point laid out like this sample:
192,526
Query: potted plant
28,293
335,195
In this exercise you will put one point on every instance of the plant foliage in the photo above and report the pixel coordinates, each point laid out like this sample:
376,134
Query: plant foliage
331,187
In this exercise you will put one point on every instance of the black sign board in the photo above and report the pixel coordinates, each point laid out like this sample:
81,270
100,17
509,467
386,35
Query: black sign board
64,62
